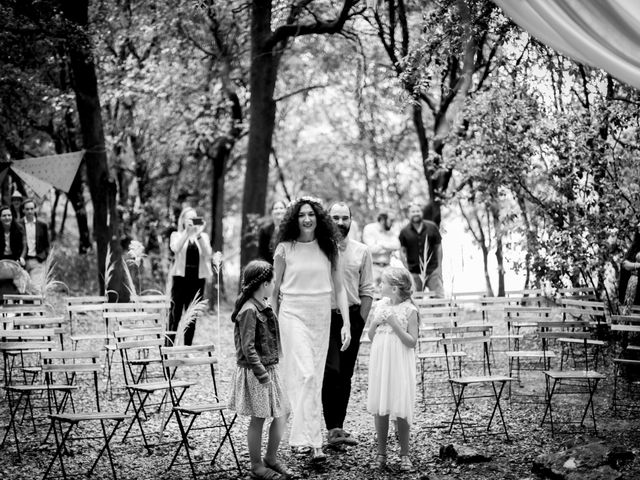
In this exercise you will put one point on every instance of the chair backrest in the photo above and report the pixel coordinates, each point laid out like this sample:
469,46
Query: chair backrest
578,293
64,368
139,350
133,320
584,309
194,362
26,345
467,338
58,324
18,309
552,331
22,299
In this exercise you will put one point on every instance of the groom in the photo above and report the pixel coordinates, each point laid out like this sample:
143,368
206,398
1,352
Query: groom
355,261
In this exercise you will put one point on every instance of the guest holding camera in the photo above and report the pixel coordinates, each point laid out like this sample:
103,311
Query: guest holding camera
191,267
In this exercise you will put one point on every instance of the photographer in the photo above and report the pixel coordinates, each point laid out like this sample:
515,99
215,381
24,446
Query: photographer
191,267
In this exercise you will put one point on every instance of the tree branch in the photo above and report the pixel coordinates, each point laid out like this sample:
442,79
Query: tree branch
284,32
298,91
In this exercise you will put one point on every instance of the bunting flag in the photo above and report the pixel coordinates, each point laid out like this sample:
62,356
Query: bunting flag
601,33
43,173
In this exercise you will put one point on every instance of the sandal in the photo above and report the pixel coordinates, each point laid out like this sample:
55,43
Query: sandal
380,462
405,463
318,456
268,474
277,467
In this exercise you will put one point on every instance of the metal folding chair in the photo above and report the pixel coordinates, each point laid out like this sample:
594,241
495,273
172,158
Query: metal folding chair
64,368
21,351
140,353
459,385
580,382
197,363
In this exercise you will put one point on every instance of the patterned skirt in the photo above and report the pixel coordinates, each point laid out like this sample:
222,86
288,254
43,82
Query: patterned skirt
252,398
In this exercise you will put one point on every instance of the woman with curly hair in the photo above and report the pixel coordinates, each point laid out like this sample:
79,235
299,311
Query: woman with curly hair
305,268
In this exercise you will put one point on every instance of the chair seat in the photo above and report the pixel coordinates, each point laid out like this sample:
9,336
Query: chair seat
626,361
77,338
529,354
155,386
37,388
425,356
201,408
580,341
480,379
91,416
506,337
574,375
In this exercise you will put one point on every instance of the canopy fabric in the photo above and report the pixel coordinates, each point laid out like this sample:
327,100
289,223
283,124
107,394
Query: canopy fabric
601,33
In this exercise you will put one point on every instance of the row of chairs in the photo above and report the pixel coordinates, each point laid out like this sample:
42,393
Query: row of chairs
150,368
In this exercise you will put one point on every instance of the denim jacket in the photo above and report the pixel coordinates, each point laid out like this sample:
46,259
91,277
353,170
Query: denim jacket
257,338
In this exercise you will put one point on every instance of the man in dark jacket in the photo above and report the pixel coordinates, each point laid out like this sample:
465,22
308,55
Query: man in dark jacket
37,240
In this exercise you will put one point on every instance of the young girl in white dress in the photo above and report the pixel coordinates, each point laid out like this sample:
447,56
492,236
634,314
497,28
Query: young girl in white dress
392,368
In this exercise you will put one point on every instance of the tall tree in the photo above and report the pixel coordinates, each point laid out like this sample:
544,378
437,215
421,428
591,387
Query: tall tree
302,17
102,186
437,70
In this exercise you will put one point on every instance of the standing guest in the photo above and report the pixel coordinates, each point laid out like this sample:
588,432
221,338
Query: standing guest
16,204
628,286
355,262
191,267
257,387
422,251
392,365
306,266
268,234
382,243
12,242
37,238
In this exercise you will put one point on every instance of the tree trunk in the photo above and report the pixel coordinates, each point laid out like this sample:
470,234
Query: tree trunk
101,185
264,72
495,214
76,198
485,267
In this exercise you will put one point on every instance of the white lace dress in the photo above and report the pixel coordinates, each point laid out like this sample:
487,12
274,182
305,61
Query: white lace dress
392,365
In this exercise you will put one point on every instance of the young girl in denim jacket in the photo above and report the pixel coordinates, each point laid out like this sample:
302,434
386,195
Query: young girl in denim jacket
257,387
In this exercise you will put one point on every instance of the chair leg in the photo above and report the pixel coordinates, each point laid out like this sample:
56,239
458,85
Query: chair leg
58,453
458,400
12,422
107,447
227,436
497,395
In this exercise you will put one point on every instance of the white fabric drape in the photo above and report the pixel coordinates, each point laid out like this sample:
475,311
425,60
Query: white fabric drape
600,33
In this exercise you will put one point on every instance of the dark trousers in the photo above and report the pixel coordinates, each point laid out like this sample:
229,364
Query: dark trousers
338,371
183,291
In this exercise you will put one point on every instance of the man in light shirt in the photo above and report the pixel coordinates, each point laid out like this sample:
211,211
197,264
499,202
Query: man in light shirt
355,262
37,239
382,243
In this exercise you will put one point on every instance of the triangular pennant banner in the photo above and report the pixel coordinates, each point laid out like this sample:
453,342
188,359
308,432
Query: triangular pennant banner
56,170
39,187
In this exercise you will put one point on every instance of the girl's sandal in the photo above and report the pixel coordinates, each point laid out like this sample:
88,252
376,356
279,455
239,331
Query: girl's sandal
380,462
405,463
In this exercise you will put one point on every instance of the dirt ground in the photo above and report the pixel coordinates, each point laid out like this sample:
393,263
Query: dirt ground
510,459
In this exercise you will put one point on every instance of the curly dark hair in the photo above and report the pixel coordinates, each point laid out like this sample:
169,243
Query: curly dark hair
326,232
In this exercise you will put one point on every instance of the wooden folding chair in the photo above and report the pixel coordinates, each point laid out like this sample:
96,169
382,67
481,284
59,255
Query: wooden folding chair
626,363
197,364
64,368
140,353
22,350
460,385
579,382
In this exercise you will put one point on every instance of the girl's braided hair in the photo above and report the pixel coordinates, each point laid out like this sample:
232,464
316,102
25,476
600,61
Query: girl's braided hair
255,273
